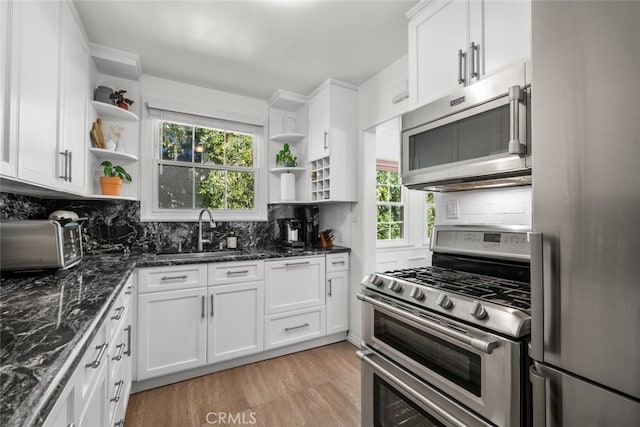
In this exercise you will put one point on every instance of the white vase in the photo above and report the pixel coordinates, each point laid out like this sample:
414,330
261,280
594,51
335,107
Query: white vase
110,145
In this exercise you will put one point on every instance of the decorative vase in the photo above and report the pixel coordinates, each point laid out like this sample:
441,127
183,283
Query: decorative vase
123,105
110,145
110,185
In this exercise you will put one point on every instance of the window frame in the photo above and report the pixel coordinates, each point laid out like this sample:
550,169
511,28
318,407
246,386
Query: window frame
151,161
392,166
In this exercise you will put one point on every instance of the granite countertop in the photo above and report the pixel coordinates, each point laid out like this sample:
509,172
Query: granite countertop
48,319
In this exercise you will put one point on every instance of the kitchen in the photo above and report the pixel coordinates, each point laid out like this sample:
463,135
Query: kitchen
580,204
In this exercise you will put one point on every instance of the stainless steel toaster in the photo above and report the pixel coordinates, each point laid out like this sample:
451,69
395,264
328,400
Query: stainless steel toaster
39,244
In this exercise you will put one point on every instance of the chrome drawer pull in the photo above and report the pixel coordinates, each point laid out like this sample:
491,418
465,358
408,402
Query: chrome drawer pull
119,312
118,356
116,398
119,423
129,290
229,273
184,276
96,362
128,352
296,327
294,264
337,262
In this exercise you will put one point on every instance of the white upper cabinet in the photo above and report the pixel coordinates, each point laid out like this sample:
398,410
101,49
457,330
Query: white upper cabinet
7,144
332,142
49,80
456,43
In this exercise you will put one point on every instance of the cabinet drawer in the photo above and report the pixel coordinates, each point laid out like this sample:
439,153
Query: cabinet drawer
172,278
235,272
337,262
294,284
293,327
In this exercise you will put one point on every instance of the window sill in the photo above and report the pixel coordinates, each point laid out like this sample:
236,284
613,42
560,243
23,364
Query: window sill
192,216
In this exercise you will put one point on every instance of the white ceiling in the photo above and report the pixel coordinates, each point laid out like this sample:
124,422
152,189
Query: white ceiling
253,47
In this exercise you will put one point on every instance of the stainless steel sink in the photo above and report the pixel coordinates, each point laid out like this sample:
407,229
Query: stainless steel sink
198,255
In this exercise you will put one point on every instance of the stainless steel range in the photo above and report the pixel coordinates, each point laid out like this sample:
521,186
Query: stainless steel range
447,344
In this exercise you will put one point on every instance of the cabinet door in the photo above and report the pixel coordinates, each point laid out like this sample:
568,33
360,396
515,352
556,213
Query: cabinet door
337,302
236,315
502,30
7,144
436,34
172,332
37,35
319,125
74,85
294,284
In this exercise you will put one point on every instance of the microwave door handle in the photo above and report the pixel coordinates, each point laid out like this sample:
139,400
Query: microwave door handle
515,96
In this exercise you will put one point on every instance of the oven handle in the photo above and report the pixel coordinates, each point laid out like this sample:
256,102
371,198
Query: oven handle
477,343
364,356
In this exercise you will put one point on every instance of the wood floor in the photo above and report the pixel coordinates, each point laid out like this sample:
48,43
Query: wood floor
317,387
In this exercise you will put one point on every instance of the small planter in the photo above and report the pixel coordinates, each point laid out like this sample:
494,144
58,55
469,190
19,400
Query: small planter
110,185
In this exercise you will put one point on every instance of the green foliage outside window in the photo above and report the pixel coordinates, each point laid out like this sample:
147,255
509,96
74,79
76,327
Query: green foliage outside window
205,168
431,213
390,207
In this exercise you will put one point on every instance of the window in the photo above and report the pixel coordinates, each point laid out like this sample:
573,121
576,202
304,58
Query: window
390,202
202,167
201,162
430,210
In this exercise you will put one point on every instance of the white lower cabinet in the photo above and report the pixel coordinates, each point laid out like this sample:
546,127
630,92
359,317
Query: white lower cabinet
236,314
172,331
337,302
95,410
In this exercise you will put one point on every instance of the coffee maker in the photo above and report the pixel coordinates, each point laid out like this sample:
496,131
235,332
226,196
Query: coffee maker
291,232
311,226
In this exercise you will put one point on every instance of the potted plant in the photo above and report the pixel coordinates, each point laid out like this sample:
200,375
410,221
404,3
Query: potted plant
286,158
120,100
111,181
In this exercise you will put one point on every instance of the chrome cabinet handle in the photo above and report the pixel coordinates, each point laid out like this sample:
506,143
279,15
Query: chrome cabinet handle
211,305
326,139
477,343
475,60
203,297
409,390
128,330
230,272
120,385
120,348
65,153
119,312
295,264
461,57
96,362
337,262
119,423
305,325
515,96
129,290
330,286
69,162
184,276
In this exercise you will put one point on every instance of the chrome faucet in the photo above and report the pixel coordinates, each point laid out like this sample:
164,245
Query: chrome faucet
212,224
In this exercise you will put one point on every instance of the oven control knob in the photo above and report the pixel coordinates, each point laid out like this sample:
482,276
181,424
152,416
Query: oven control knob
417,294
478,311
444,301
395,286
377,280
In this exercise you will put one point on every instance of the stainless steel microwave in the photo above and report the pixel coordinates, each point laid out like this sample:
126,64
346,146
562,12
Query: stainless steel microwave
39,244
477,137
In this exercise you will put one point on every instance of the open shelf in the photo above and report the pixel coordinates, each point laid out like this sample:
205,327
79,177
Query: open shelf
101,153
101,197
112,112
289,138
294,170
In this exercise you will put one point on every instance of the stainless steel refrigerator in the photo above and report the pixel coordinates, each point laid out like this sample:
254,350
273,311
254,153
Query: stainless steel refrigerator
585,261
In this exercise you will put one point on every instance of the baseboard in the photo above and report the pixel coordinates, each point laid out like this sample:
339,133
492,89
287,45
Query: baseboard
150,383
354,340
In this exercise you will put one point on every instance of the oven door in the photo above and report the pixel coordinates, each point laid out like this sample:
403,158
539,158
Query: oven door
483,371
393,397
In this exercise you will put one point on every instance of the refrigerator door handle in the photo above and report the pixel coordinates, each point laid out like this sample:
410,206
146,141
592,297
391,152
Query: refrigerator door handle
537,297
538,389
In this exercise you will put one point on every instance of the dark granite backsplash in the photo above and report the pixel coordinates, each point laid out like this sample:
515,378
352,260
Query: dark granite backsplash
116,226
